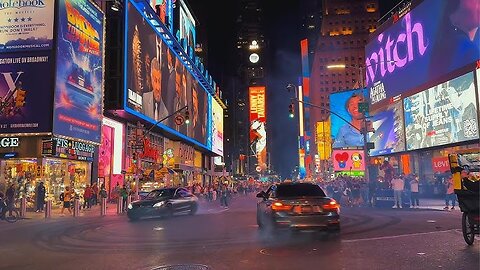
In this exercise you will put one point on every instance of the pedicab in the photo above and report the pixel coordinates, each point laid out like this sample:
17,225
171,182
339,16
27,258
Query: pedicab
465,168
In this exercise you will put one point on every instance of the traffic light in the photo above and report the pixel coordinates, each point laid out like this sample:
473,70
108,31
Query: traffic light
291,110
20,99
187,117
134,157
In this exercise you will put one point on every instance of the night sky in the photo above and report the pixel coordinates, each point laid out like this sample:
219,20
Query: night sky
282,30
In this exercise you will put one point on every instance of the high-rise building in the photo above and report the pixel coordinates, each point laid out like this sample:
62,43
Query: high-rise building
344,32
250,60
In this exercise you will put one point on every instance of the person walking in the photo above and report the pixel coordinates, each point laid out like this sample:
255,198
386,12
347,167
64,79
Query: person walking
398,185
10,198
124,195
87,197
224,196
450,194
94,194
40,198
414,192
66,198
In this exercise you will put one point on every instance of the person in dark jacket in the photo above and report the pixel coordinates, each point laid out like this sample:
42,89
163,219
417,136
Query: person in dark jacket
40,199
10,198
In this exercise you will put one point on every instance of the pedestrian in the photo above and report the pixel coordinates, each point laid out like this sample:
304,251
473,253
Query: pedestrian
449,194
124,195
398,185
10,199
414,192
66,198
87,197
224,196
116,191
103,192
214,194
40,198
94,194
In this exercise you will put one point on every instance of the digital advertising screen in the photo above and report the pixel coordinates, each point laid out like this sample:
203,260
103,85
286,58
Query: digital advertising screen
258,129
348,160
424,48
217,128
78,104
345,119
443,114
389,135
25,92
187,25
26,25
158,84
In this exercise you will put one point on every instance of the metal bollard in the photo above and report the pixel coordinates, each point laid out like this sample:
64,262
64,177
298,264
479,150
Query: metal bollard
48,209
76,207
103,207
23,207
120,205
129,201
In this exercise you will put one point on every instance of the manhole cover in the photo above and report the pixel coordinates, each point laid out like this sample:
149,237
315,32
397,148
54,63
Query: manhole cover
182,267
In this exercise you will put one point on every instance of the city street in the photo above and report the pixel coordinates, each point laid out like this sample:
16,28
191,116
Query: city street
229,239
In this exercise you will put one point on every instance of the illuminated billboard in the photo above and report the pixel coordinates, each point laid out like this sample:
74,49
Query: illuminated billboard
217,128
158,83
258,130
443,114
26,25
323,140
184,23
424,48
25,93
164,10
348,160
389,135
78,103
345,132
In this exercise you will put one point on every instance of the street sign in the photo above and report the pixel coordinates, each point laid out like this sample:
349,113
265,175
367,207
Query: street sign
179,120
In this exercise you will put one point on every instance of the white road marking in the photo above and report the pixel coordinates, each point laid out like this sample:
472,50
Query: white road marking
394,236
431,221
157,228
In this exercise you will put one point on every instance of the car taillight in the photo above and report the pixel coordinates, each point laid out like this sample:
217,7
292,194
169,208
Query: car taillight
278,206
331,206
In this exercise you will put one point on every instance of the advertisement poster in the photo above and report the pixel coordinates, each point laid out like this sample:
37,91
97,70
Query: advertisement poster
323,140
348,160
217,128
389,135
158,84
258,130
25,92
443,114
423,48
345,132
26,25
78,107
186,25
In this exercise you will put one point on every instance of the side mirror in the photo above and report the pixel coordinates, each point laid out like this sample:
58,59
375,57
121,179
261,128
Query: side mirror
261,194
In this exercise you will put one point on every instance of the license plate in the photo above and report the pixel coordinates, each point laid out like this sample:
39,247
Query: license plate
307,209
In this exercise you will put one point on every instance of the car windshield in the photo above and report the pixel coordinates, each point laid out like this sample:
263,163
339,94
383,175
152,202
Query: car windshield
158,193
301,190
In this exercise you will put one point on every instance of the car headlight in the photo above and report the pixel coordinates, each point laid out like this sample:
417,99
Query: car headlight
159,204
130,206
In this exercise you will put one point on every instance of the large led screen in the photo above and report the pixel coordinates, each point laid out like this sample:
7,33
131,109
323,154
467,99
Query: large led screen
346,120
433,40
158,84
78,104
217,128
389,132
186,25
25,93
348,160
443,114
258,129
26,25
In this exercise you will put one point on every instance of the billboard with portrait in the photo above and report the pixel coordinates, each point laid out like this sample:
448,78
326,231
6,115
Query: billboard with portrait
217,128
158,83
389,135
258,129
430,44
26,25
348,160
26,92
163,8
345,131
443,114
78,104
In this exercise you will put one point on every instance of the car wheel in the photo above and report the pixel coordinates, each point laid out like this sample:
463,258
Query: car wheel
193,209
170,211
259,222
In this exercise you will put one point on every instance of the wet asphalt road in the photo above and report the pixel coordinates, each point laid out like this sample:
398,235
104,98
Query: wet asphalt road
229,239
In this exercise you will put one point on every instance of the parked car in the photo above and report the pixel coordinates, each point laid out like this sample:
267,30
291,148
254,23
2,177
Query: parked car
301,206
164,202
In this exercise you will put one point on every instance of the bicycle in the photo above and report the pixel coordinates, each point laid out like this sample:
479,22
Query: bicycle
11,217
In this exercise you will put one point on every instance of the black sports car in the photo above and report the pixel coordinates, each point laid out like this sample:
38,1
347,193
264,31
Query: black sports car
164,202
